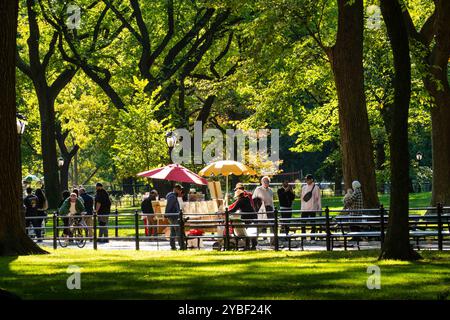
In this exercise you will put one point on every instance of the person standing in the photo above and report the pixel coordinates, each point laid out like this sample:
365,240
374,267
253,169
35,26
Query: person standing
286,197
31,205
244,204
89,208
311,201
149,213
355,201
103,209
264,194
173,215
41,212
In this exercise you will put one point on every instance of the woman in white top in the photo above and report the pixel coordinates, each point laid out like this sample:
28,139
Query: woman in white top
311,201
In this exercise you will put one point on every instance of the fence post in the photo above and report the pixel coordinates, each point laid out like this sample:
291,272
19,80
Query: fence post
117,224
182,236
275,229
227,229
136,228
382,226
94,224
327,228
439,216
55,229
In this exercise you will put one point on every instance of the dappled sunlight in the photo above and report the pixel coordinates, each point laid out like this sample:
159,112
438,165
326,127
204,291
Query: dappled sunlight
224,275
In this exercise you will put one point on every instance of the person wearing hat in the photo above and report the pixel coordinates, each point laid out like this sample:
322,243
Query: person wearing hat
310,201
244,204
240,186
72,206
355,201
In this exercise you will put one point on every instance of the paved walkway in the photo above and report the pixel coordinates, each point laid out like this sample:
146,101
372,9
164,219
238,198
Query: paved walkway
262,245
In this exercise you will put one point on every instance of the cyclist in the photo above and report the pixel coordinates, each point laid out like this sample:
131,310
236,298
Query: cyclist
71,208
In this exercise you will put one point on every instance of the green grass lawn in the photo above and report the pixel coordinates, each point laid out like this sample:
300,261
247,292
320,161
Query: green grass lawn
224,275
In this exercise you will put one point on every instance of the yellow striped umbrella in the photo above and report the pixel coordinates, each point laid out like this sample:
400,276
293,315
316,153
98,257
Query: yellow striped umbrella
226,168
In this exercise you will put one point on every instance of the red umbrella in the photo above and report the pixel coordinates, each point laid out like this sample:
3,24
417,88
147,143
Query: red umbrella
174,172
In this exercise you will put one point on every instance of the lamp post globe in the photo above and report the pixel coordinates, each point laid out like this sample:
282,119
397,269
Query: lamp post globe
171,141
60,162
419,157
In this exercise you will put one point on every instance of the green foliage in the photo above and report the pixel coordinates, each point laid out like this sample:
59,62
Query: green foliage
139,143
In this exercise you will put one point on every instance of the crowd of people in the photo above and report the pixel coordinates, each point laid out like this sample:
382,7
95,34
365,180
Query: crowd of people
77,203
257,204
251,206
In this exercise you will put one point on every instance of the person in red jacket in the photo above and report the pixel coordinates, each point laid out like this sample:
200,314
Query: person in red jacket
244,204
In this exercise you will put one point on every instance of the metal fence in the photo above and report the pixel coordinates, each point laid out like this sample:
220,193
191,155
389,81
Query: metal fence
331,227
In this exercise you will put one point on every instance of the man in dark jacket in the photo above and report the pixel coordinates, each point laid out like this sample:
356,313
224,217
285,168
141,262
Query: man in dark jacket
89,207
103,209
286,197
173,214
31,205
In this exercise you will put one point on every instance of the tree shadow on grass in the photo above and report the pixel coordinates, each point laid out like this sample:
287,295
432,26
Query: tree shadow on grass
206,275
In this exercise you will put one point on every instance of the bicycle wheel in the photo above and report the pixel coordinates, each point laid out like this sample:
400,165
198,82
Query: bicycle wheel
78,233
63,240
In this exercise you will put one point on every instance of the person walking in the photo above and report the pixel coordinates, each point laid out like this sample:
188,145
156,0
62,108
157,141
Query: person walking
173,215
243,204
42,207
31,209
103,209
88,202
311,201
286,197
264,195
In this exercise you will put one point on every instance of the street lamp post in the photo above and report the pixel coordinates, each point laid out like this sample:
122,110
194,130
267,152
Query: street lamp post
60,165
419,157
171,140
21,123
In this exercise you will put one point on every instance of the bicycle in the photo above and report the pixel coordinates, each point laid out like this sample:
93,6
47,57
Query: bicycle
76,227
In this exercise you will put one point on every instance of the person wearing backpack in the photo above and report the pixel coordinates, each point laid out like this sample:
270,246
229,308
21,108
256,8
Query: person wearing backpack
311,201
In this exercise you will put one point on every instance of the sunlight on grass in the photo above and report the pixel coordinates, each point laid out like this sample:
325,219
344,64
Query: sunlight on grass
225,275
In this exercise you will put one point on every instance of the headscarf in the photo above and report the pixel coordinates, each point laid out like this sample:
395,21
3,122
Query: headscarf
356,185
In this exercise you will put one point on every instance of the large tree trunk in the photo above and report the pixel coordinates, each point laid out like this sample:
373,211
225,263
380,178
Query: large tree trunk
347,63
13,240
49,154
397,244
437,85
440,117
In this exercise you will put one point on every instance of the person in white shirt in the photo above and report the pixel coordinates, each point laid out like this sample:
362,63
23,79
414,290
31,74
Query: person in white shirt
311,201
263,195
